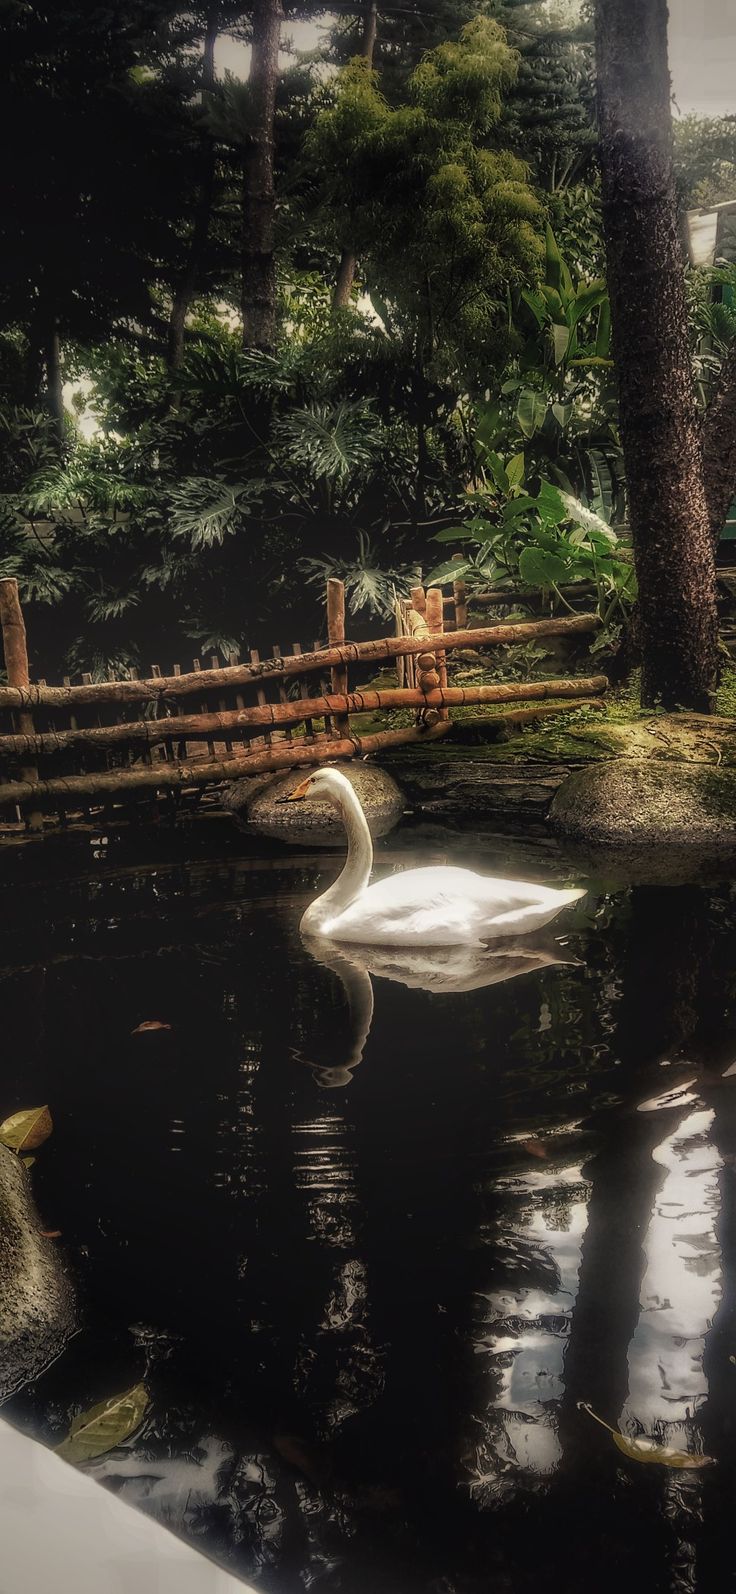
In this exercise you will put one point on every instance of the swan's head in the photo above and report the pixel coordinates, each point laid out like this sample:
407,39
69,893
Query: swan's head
325,785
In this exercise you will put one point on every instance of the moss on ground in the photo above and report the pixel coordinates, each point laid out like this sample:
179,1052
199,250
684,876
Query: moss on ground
577,736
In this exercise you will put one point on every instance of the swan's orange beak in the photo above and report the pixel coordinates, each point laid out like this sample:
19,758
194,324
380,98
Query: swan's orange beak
299,791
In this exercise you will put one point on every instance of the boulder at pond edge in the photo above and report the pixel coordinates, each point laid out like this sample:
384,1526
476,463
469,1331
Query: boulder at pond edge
258,807
626,802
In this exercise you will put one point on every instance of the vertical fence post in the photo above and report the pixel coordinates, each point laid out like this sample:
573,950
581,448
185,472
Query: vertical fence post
335,637
459,593
436,624
16,665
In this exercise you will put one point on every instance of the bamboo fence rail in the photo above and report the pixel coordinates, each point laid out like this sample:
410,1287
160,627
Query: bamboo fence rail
110,740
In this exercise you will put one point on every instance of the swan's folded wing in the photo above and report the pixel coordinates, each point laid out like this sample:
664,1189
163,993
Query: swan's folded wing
444,907
413,909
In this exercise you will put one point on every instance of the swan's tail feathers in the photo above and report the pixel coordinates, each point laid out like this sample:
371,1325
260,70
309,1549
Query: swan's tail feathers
534,916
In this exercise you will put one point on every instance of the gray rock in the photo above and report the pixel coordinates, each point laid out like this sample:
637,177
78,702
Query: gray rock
37,1314
312,823
628,803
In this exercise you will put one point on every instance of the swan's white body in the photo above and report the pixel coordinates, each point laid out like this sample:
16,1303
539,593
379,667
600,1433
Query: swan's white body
431,907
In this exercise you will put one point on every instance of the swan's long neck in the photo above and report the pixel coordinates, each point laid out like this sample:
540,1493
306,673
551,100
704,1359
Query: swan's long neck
358,864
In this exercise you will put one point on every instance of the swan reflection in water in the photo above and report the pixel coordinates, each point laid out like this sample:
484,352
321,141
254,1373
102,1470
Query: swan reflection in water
444,971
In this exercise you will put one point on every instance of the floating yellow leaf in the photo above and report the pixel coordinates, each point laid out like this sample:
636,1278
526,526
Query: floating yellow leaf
24,1131
105,1425
648,1450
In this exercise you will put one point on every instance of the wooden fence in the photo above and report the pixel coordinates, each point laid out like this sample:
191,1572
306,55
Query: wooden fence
67,747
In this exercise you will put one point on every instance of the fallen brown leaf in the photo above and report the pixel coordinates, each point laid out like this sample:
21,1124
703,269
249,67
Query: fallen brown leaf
150,1023
536,1148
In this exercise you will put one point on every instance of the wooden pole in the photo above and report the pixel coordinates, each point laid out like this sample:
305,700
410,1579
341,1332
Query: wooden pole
336,636
251,721
119,782
435,622
506,597
418,600
15,649
374,652
459,601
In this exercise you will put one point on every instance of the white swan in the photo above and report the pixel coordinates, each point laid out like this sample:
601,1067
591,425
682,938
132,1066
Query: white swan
421,907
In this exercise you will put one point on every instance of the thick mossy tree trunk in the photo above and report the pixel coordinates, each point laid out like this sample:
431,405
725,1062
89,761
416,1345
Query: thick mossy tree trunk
659,425
346,271
259,199
191,276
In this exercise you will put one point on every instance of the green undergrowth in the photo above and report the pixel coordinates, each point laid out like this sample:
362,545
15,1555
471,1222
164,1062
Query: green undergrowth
576,736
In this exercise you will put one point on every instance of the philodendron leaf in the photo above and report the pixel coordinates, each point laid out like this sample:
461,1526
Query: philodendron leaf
647,1450
540,568
26,1130
105,1425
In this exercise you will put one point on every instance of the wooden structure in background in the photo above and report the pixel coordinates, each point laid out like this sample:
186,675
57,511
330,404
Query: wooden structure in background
67,747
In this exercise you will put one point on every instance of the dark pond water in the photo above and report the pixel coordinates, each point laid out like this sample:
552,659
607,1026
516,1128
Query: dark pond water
367,1296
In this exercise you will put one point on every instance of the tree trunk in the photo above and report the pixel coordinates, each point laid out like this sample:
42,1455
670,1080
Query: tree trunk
259,201
187,286
346,271
54,383
659,428
344,282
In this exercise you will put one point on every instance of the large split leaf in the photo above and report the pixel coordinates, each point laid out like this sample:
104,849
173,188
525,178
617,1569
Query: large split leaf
647,1450
26,1130
539,568
106,1425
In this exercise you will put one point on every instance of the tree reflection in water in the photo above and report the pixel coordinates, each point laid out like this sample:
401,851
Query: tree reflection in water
367,1315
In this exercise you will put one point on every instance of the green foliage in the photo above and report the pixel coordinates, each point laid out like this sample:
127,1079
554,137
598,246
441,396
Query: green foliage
474,219
555,400
712,314
467,389
549,114
333,444
705,159
525,531
370,588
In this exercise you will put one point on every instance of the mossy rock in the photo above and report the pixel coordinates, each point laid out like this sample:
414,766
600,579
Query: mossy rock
37,1313
315,823
626,802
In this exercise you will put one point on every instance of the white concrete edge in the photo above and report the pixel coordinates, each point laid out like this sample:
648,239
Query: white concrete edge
61,1531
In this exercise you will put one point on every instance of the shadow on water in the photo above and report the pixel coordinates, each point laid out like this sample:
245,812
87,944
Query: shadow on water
373,1225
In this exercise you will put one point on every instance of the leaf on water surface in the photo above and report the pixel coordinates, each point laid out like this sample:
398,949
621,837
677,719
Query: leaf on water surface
105,1426
50,1234
149,1024
535,1149
26,1130
28,1161
647,1450
679,1096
